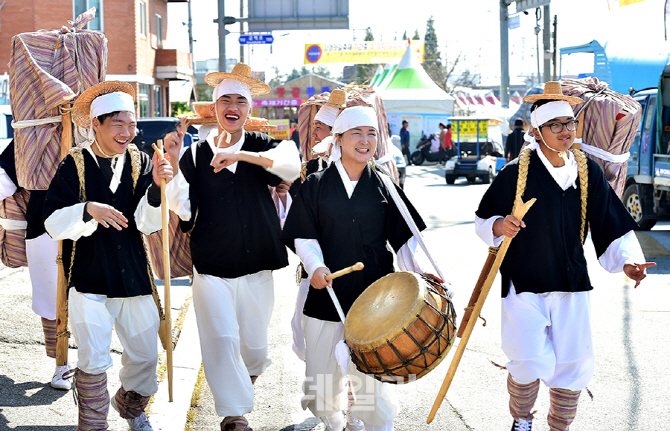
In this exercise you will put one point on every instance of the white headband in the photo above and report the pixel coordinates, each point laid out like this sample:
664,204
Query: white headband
327,115
231,86
110,102
356,116
549,111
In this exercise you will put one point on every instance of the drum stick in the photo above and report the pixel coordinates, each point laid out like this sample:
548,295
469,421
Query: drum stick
356,267
166,271
520,211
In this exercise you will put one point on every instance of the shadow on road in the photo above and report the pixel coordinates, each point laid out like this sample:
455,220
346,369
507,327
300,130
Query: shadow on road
14,395
634,392
307,425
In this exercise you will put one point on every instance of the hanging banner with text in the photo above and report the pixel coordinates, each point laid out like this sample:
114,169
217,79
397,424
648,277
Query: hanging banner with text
467,130
282,130
360,52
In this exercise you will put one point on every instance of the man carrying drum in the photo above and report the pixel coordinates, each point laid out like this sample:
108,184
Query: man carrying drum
546,328
104,196
221,192
340,216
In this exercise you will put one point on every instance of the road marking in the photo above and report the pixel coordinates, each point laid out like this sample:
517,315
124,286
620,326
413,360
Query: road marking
650,246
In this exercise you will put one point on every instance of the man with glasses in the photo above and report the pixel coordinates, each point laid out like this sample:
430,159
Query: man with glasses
546,328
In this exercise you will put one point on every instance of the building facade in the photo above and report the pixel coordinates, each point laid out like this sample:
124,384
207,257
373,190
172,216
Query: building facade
136,31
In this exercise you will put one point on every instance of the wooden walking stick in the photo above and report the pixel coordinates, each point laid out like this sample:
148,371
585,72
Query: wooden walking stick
165,212
62,334
520,210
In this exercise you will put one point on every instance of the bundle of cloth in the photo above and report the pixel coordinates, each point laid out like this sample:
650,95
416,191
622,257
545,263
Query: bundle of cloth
610,121
47,69
13,229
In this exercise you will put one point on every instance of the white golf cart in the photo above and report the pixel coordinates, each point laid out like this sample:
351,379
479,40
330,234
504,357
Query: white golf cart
479,149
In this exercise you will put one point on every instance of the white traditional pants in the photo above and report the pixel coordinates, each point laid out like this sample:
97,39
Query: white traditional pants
325,386
233,316
548,336
136,320
296,322
41,253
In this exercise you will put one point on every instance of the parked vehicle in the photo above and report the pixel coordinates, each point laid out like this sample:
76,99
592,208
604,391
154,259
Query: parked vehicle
647,191
6,129
399,160
479,149
423,152
151,129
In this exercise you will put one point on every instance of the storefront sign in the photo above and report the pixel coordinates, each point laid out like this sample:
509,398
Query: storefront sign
282,130
467,130
272,103
360,52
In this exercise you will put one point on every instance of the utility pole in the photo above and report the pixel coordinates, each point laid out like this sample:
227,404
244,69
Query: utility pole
555,54
546,39
241,30
222,36
504,54
190,37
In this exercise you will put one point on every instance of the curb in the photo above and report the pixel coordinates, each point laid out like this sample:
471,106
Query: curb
186,361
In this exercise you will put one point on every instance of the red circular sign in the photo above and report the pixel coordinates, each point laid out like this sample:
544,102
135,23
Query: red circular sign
314,53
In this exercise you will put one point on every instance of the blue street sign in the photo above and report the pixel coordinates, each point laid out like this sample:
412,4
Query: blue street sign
251,39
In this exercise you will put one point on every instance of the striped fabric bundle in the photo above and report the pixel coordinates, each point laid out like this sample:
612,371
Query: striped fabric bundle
180,250
356,95
13,241
610,122
47,69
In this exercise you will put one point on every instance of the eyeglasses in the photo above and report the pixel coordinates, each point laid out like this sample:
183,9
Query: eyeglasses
557,128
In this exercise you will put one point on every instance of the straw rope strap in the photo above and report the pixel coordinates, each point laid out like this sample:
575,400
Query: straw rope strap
78,158
584,186
136,163
303,172
524,161
580,157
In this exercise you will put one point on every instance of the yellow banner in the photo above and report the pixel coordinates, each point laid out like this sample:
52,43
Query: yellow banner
360,52
467,130
623,3
282,130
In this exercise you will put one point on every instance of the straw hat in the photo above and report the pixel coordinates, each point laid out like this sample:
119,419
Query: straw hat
337,99
552,91
241,72
81,110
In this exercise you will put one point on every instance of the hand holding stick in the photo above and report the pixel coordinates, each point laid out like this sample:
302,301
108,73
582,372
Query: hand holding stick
356,267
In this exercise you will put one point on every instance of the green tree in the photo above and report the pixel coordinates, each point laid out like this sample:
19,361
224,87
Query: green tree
432,59
416,35
365,72
179,108
204,93
322,71
404,35
295,74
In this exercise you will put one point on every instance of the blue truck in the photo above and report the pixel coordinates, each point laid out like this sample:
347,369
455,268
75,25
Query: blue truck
647,190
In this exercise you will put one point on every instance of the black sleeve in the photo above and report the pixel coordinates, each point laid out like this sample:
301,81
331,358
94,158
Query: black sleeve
606,214
397,230
8,164
63,191
499,197
302,220
187,169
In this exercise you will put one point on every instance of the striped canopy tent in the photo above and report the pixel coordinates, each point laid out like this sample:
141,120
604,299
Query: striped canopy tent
376,79
412,90
387,75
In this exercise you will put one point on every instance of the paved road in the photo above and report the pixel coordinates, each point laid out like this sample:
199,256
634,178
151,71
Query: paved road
630,329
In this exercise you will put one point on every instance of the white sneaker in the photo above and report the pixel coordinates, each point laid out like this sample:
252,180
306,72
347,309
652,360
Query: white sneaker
58,382
522,425
140,423
354,424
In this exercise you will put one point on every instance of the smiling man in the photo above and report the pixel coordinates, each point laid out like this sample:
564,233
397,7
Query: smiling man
546,327
104,196
222,192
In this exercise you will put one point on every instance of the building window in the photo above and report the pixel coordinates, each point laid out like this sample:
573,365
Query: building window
143,18
81,6
158,101
159,31
143,98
